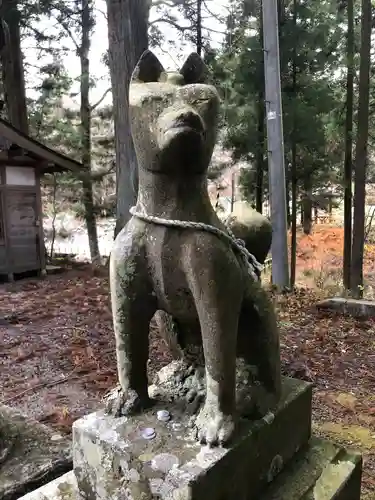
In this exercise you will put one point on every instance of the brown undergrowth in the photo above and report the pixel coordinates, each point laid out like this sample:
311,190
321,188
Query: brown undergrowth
57,356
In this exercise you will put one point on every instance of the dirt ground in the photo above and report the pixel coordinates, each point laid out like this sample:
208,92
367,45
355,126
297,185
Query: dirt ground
57,351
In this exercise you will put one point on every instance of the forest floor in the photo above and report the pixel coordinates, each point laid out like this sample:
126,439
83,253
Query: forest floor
57,353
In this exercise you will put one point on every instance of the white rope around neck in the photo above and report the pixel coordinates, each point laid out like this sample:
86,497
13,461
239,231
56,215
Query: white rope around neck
254,267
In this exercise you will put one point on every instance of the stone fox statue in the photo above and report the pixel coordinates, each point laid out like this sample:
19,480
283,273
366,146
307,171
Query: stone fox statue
193,275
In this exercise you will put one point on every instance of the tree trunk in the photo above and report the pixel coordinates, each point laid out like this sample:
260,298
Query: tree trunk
348,167
12,65
293,244
54,215
287,198
307,206
356,277
330,208
199,28
293,250
127,39
88,201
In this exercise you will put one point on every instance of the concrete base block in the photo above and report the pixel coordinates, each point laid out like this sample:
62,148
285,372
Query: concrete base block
32,454
112,459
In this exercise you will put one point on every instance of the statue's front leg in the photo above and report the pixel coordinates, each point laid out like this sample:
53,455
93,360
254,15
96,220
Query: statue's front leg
132,309
216,284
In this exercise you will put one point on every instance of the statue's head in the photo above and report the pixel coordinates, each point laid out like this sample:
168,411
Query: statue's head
174,116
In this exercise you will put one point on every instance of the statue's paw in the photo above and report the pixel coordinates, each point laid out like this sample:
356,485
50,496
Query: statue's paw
214,428
119,403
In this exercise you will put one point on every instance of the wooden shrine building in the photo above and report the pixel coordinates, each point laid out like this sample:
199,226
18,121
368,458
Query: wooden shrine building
22,163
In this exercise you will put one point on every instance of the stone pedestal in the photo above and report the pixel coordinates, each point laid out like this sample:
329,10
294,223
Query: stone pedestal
113,460
31,454
319,471
274,458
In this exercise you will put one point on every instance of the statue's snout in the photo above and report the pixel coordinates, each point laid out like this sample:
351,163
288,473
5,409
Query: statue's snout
180,125
188,119
185,119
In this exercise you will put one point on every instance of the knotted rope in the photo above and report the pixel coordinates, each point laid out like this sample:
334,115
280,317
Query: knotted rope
238,245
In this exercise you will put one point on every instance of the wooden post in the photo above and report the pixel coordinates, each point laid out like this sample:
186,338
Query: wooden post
39,222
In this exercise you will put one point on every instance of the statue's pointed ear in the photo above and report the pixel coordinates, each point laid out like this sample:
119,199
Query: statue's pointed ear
148,69
194,69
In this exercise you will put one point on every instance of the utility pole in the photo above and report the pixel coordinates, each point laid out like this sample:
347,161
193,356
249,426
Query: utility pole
275,141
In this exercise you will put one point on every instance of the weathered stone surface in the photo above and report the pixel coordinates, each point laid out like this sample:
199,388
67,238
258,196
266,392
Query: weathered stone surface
35,454
252,227
195,274
62,488
320,471
354,307
112,459
185,385
246,224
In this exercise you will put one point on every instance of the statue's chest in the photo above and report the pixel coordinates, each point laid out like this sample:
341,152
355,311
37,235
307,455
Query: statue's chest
167,267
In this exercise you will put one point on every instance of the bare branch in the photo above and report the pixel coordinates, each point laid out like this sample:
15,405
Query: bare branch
167,19
104,14
69,32
169,3
211,30
94,106
215,16
182,29
168,54
171,22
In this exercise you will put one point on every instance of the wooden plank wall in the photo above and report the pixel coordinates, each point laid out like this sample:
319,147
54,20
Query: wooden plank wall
20,247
